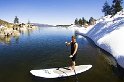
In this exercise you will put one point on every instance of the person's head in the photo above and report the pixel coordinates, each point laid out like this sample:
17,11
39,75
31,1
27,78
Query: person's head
73,39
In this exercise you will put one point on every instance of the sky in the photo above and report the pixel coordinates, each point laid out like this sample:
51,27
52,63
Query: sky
53,12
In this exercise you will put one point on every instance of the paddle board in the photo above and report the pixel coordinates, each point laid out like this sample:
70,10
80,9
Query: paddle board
60,72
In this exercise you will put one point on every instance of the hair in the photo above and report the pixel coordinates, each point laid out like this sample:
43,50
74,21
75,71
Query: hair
73,37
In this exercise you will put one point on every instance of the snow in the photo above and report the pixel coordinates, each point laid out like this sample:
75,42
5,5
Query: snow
1,26
108,33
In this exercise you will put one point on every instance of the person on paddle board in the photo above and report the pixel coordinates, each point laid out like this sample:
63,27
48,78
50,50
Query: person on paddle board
74,47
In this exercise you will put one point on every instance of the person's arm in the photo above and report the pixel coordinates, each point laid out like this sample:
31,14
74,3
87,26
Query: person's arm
76,47
68,43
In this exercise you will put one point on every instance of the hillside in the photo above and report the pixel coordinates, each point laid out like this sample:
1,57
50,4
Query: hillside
5,23
108,33
42,25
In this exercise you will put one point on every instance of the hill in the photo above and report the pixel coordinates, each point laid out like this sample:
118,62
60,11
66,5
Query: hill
5,23
42,25
108,33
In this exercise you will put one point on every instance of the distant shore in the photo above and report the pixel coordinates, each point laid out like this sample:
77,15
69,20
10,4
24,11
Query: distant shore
14,29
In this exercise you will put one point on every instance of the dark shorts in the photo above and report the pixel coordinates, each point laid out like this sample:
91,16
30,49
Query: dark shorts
73,58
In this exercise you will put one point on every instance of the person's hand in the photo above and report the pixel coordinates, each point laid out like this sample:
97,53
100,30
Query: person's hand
66,43
71,56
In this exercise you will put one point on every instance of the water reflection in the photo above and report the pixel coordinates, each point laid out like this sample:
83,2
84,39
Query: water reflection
112,63
109,62
119,71
108,57
7,39
16,39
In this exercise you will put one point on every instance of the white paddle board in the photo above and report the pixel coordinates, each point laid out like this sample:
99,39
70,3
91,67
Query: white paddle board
60,72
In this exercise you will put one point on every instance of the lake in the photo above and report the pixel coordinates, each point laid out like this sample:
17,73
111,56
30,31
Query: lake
45,48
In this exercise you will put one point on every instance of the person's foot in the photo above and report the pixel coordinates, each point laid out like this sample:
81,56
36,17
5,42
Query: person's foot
70,68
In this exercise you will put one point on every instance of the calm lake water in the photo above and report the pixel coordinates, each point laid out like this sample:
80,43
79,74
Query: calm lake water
45,48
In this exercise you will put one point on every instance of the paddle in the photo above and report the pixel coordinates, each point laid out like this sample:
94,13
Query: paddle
74,69
76,76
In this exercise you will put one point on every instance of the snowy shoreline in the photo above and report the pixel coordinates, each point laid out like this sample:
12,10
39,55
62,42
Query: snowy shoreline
108,34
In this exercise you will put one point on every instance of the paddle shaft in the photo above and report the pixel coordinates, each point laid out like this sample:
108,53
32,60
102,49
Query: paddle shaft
76,76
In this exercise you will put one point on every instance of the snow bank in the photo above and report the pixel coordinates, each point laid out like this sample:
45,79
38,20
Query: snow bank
108,33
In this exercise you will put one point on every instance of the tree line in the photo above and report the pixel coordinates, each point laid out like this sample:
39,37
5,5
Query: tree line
113,9
83,21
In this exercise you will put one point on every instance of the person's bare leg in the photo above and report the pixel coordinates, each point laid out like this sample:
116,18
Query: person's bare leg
70,65
73,65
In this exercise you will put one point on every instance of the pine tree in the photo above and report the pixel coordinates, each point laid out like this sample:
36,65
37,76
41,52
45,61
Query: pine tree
29,22
106,9
76,21
83,21
80,22
91,21
116,6
16,20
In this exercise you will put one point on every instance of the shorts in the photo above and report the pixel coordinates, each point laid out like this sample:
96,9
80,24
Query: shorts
73,58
